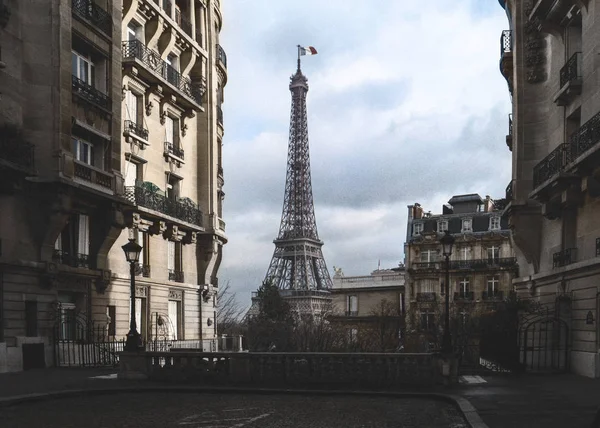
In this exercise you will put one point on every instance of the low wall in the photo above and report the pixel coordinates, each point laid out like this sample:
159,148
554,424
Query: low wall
290,369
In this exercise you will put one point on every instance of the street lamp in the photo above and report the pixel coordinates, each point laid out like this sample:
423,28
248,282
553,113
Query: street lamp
447,242
132,253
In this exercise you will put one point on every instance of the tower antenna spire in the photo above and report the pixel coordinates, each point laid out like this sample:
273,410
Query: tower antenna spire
299,47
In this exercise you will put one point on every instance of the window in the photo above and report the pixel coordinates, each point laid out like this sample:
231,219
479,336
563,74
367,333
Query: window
352,334
427,320
83,151
141,309
72,246
464,253
467,225
428,256
111,320
31,319
67,317
442,226
175,317
493,253
463,286
169,130
171,70
352,305
171,256
494,223
133,174
83,68
417,228
173,185
132,107
426,286
492,284
133,31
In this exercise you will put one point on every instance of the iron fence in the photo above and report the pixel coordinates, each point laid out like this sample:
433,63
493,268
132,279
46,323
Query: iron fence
571,70
90,93
174,150
137,129
95,14
184,209
13,149
78,343
564,257
71,259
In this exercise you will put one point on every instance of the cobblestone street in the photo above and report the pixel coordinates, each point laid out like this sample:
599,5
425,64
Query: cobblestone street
197,410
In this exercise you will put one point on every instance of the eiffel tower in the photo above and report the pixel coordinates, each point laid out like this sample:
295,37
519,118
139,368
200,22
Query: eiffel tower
298,267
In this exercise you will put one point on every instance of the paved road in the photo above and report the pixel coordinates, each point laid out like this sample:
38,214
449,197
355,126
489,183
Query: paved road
203,410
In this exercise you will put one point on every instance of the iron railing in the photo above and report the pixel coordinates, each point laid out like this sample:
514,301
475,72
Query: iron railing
153,61
564,257
219,115
571,70
90,93
424,265
176,275
552,164
95,14
183,209
490,262
137,129
506,42
492,295
351,313
14,149
93,175
464,295
586,137
142,270
221,55
71,259
426,297
174,150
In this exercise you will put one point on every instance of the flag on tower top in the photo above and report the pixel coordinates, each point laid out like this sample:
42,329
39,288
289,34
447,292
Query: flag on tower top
309,50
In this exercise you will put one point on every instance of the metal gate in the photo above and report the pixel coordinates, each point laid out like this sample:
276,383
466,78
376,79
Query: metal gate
544,344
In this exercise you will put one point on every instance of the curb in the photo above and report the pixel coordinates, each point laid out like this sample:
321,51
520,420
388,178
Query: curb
462,404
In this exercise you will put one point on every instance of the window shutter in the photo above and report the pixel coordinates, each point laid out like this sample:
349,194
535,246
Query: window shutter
83,244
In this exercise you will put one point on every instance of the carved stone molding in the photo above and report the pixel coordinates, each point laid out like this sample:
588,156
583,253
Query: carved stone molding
103,282
137,222
158,228
141,291
190,238
176,295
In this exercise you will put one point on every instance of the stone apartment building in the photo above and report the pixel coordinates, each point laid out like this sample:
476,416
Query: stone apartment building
111,129
366,305
549,57
482,264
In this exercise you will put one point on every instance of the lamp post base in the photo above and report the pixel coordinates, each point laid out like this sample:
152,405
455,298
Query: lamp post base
134,342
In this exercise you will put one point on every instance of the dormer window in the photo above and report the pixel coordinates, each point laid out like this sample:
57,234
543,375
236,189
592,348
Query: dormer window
442,226
494,223
467,225
417,228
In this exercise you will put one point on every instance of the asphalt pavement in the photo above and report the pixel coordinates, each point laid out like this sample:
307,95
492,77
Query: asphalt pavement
227,410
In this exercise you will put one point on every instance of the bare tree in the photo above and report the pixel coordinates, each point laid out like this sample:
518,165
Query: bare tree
230,313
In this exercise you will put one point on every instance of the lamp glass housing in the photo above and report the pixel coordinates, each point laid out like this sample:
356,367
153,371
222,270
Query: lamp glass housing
132,251
447,242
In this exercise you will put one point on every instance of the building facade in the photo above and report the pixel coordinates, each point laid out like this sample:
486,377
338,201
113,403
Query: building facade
371,308
549,59
108,135
482,264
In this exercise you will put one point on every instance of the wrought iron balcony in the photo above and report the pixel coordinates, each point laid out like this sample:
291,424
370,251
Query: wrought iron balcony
461,264
492,295
89,10
586,137
219,116
135,49
509,136
90,93
426,297
464,295
221,55
172,149
351,313
93,175
552,164
183,22
71,259
14,150
176,275
137,129
425,265
571,70
564,257
183,209
142,270
506,43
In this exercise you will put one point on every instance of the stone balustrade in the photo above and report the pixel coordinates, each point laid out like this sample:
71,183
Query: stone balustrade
334,370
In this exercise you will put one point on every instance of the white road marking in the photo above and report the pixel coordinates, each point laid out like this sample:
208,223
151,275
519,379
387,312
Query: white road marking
109,376
472,379
197,421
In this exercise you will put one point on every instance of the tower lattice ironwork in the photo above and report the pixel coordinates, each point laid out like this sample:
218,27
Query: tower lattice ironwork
298,263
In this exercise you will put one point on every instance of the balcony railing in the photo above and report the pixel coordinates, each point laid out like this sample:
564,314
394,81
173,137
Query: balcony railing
351,313
176,275
464,295
425,265
219,116
90,93
183,209
564,257
426,297
153,61
95,14
13,149
586,137
137,129
142,270
71,259
506,42
571,71
509,136
221,55
93,175
509,191
552,164
492,295
174,150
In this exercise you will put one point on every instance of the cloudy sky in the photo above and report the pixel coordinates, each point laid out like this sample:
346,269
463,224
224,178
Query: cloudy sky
406,104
